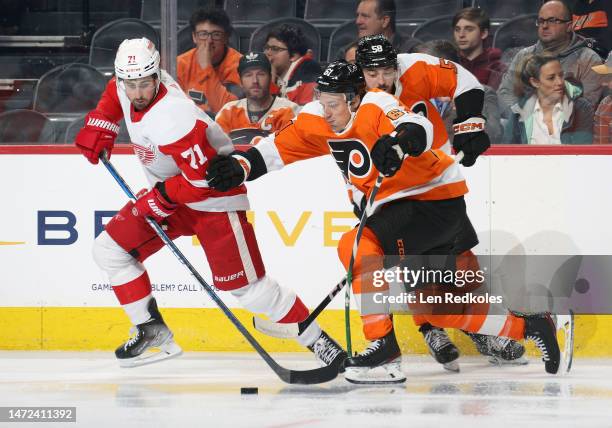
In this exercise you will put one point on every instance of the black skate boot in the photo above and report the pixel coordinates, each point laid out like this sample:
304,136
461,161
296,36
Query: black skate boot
328,352
440,347
380,363
151,334
500,350
542,331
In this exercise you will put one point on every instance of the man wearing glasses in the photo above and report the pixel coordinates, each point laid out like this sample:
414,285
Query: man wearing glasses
294,70
555,37
209,73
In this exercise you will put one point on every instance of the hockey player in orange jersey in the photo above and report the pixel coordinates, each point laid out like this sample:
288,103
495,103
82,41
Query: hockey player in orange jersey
415,79
420,204
260,113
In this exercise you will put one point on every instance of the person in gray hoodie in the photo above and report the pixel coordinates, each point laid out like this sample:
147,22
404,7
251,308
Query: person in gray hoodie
552,111
556,38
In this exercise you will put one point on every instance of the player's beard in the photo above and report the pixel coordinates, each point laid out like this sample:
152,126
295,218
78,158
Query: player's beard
262,96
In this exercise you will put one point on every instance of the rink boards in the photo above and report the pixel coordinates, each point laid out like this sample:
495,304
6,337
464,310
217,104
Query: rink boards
53,296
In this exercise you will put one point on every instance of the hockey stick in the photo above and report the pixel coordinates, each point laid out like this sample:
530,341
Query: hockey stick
293,330
349,272
305,377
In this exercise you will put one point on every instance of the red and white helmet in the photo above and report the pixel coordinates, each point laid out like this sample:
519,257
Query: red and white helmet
136,58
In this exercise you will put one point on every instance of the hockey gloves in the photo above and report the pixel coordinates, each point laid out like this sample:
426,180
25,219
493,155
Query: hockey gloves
409,139
471,139
151,203
97,135
227,172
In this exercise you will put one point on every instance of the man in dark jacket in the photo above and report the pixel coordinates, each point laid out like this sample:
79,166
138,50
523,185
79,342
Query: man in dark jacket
555,37
471,29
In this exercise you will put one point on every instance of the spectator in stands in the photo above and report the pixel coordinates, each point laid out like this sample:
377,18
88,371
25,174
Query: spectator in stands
349,53
556,38
552,110
294,71
591,18
447,50
471,30
260,113
378,17
602,131
208,73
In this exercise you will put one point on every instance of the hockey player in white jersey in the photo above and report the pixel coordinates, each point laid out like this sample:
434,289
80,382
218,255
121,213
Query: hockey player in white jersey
173,140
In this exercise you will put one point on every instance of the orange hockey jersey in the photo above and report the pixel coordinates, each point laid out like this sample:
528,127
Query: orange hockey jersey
424,77
212,87
235,121
431,176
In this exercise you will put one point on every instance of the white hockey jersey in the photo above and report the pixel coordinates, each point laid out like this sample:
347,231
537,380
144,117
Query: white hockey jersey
174,139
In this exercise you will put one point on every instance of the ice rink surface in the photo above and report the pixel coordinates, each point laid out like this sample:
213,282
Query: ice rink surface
203,389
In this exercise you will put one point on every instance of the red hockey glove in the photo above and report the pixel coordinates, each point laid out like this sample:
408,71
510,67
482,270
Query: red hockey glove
98,134
151,203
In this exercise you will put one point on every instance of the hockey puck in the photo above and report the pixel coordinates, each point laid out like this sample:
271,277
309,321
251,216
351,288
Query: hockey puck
249,390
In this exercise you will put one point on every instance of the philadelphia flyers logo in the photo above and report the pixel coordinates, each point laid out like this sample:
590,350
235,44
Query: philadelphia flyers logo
352,157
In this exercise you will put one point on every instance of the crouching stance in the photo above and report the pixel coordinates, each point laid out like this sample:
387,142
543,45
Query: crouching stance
173,141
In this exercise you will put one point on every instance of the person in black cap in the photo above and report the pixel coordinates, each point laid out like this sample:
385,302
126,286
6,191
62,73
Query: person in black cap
260,112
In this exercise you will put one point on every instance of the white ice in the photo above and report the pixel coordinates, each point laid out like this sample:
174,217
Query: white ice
203,389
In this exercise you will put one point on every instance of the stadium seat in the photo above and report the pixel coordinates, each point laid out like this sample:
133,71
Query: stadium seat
26,127
151,10
433,29
342,36
69,88
518,31
417,10
106,40
504,9
313,38
75,126
259,10
184,41
324,11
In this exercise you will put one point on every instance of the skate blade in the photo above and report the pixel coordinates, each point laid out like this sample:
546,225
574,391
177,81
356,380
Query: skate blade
452,366
389,373
496,361
166,351
565,324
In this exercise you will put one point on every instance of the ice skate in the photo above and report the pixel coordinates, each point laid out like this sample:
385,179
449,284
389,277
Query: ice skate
440,347
328,352
379,363
500,350
149,335
542,330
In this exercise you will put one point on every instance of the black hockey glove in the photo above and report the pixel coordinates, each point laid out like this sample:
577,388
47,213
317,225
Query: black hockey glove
470,138
389,151
227,172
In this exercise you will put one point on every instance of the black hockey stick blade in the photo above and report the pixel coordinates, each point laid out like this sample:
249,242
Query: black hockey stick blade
309,377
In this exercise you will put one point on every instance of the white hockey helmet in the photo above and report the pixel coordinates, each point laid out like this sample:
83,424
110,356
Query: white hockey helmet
136,58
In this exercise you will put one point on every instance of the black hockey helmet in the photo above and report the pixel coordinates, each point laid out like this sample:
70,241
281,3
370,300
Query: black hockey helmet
341,77
375,51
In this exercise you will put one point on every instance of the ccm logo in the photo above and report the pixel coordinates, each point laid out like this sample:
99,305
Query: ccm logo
468,127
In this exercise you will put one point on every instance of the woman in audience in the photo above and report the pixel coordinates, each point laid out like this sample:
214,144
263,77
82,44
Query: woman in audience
551,110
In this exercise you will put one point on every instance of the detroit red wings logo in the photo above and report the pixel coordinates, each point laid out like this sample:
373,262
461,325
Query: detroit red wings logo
145,154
